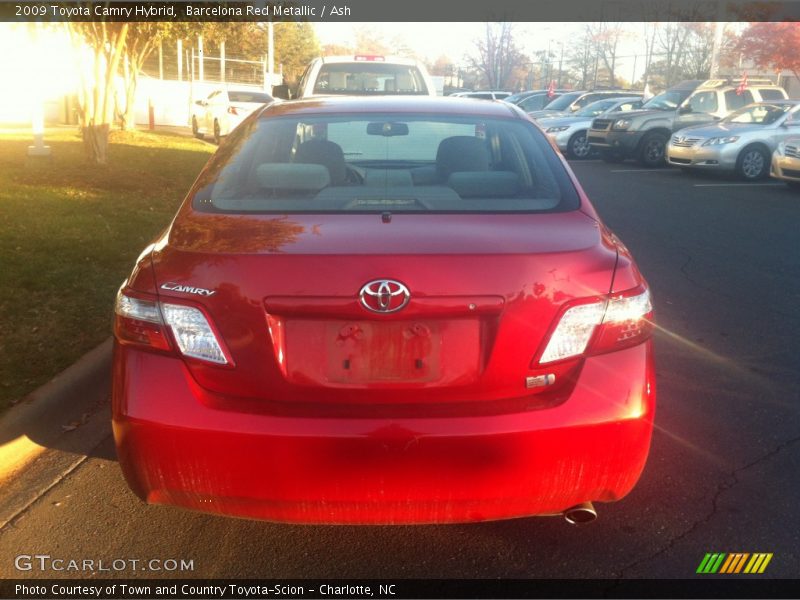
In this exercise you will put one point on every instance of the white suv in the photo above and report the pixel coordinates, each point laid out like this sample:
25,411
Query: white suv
365,75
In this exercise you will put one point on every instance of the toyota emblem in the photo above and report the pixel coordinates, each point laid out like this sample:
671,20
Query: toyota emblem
384,296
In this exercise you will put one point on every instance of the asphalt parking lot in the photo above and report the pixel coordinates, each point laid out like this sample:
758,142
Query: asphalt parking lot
723,262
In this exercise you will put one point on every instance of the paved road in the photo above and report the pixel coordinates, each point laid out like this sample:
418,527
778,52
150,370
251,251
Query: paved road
723,260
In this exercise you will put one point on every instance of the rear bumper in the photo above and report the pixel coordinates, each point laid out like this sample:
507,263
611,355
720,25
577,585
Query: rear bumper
175,450
621,142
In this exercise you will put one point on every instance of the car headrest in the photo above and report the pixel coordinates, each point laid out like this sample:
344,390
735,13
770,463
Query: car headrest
461,153
292,177
327,153
486,184
404,82
337,81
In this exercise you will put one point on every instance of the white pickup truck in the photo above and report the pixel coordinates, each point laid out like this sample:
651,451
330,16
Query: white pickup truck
365,75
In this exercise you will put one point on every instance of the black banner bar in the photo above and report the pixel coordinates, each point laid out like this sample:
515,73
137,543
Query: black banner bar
738,586
403,10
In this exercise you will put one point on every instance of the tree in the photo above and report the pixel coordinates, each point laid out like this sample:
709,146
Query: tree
772,45
296,45
581,60
699,48
140,42
442,66
498,56
369,41
105,43
672,42
606,38
336,49
650,33
684,52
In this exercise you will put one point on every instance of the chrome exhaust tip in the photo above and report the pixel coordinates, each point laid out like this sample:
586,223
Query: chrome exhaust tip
580,514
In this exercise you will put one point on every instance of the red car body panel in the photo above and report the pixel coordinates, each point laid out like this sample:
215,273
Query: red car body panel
327,413
176,449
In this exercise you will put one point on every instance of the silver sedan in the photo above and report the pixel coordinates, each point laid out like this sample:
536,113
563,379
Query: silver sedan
568,131
742,142
786,162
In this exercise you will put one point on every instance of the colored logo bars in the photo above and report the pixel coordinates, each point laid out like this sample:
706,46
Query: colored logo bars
737,562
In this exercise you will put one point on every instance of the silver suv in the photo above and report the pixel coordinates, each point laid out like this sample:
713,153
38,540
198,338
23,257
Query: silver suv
644,134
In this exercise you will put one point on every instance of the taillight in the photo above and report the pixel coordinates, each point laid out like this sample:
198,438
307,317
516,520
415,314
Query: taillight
138,321
192,333
628,321
145,322
609,323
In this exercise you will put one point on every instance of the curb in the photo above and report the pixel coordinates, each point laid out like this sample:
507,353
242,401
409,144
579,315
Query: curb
38,422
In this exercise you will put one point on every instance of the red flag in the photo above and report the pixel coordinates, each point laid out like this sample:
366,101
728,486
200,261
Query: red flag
742,85
551,89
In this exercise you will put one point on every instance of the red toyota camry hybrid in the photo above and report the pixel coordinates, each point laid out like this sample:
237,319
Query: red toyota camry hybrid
384,310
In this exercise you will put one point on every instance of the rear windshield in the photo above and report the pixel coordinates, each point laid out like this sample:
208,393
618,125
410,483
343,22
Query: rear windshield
771,94
378,163
249,97
534,102
596,108
516,98
564,101
668,100
373,78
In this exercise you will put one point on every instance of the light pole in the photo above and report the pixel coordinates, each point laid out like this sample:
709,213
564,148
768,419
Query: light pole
719,29
270,54
560,62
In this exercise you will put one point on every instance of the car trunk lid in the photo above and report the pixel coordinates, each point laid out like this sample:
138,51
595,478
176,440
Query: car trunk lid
484,292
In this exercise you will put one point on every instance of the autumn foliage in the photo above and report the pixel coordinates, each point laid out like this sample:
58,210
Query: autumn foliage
772,45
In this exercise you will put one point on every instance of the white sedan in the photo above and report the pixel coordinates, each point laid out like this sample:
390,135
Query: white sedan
223,110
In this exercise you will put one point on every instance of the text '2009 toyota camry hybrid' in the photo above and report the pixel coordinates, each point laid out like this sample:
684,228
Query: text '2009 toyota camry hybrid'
384,310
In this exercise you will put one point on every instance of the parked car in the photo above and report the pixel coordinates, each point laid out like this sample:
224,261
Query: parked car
365,75
569,133
742,142
644,134
786,162
483,95
384,310
224,109
534,100
571,102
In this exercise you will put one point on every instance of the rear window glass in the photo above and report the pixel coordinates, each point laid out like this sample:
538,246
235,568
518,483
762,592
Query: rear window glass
378,163
564,101
596,108
668,100
771,94
535,102
369,78
736,101
703,102
249,97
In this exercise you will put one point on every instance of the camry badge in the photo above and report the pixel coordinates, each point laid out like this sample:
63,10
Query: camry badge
384,296
187,289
